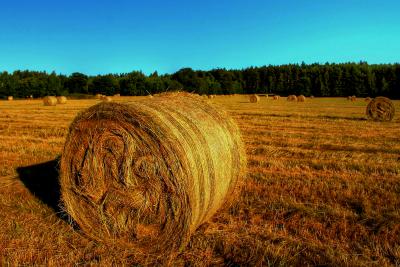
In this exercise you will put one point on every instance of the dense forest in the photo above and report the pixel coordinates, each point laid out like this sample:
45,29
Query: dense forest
360,79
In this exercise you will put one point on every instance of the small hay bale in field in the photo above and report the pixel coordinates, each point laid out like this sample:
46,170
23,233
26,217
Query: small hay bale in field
61,100
210,96
349,98
367,99
311,96
117,95
107,98
10,98
276,97
254,99
99,96
292,98
147,174
50,101
301,98
353,98
380,109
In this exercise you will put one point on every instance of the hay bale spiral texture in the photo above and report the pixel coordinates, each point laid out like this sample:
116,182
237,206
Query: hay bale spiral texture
254,99
61,100
380,109
147,173
50,101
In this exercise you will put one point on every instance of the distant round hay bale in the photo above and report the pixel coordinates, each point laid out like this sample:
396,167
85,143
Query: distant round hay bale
301,98
61,100
50,101
367,99
10,98
311,96
380,109
106,98
31,96
254,99
292,98
98,96
276,97
147,174
210,96
353,98
349,98
117,95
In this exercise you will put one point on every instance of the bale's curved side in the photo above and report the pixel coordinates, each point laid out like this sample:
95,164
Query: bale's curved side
380,109
50,101
147,173
301,98
254,98
61,100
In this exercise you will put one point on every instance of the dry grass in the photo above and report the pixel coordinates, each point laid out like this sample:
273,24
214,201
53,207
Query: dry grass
323,189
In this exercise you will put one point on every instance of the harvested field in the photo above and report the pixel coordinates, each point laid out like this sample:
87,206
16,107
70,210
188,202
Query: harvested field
323,188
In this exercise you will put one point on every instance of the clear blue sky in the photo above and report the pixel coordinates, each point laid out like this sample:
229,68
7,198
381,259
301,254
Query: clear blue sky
97,37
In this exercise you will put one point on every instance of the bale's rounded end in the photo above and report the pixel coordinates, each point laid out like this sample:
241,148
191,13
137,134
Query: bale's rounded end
254,99
380,109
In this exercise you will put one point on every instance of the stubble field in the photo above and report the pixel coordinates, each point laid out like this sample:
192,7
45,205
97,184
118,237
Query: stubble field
323,188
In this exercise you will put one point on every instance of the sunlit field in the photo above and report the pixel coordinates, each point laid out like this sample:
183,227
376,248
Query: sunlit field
322,188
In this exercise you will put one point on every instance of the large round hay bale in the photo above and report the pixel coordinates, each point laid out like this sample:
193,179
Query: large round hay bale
301,98
10,98
380,109
254,98
147,173
292,98
50,101
61,100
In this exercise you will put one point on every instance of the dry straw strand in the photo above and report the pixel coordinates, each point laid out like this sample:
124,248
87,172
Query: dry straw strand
61,100
254,99
380,109
146,174
50,101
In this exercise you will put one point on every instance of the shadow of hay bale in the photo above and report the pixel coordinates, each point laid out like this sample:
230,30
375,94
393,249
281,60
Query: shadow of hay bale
42,180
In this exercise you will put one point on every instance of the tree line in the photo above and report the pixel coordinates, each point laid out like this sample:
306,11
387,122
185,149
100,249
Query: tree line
360,79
